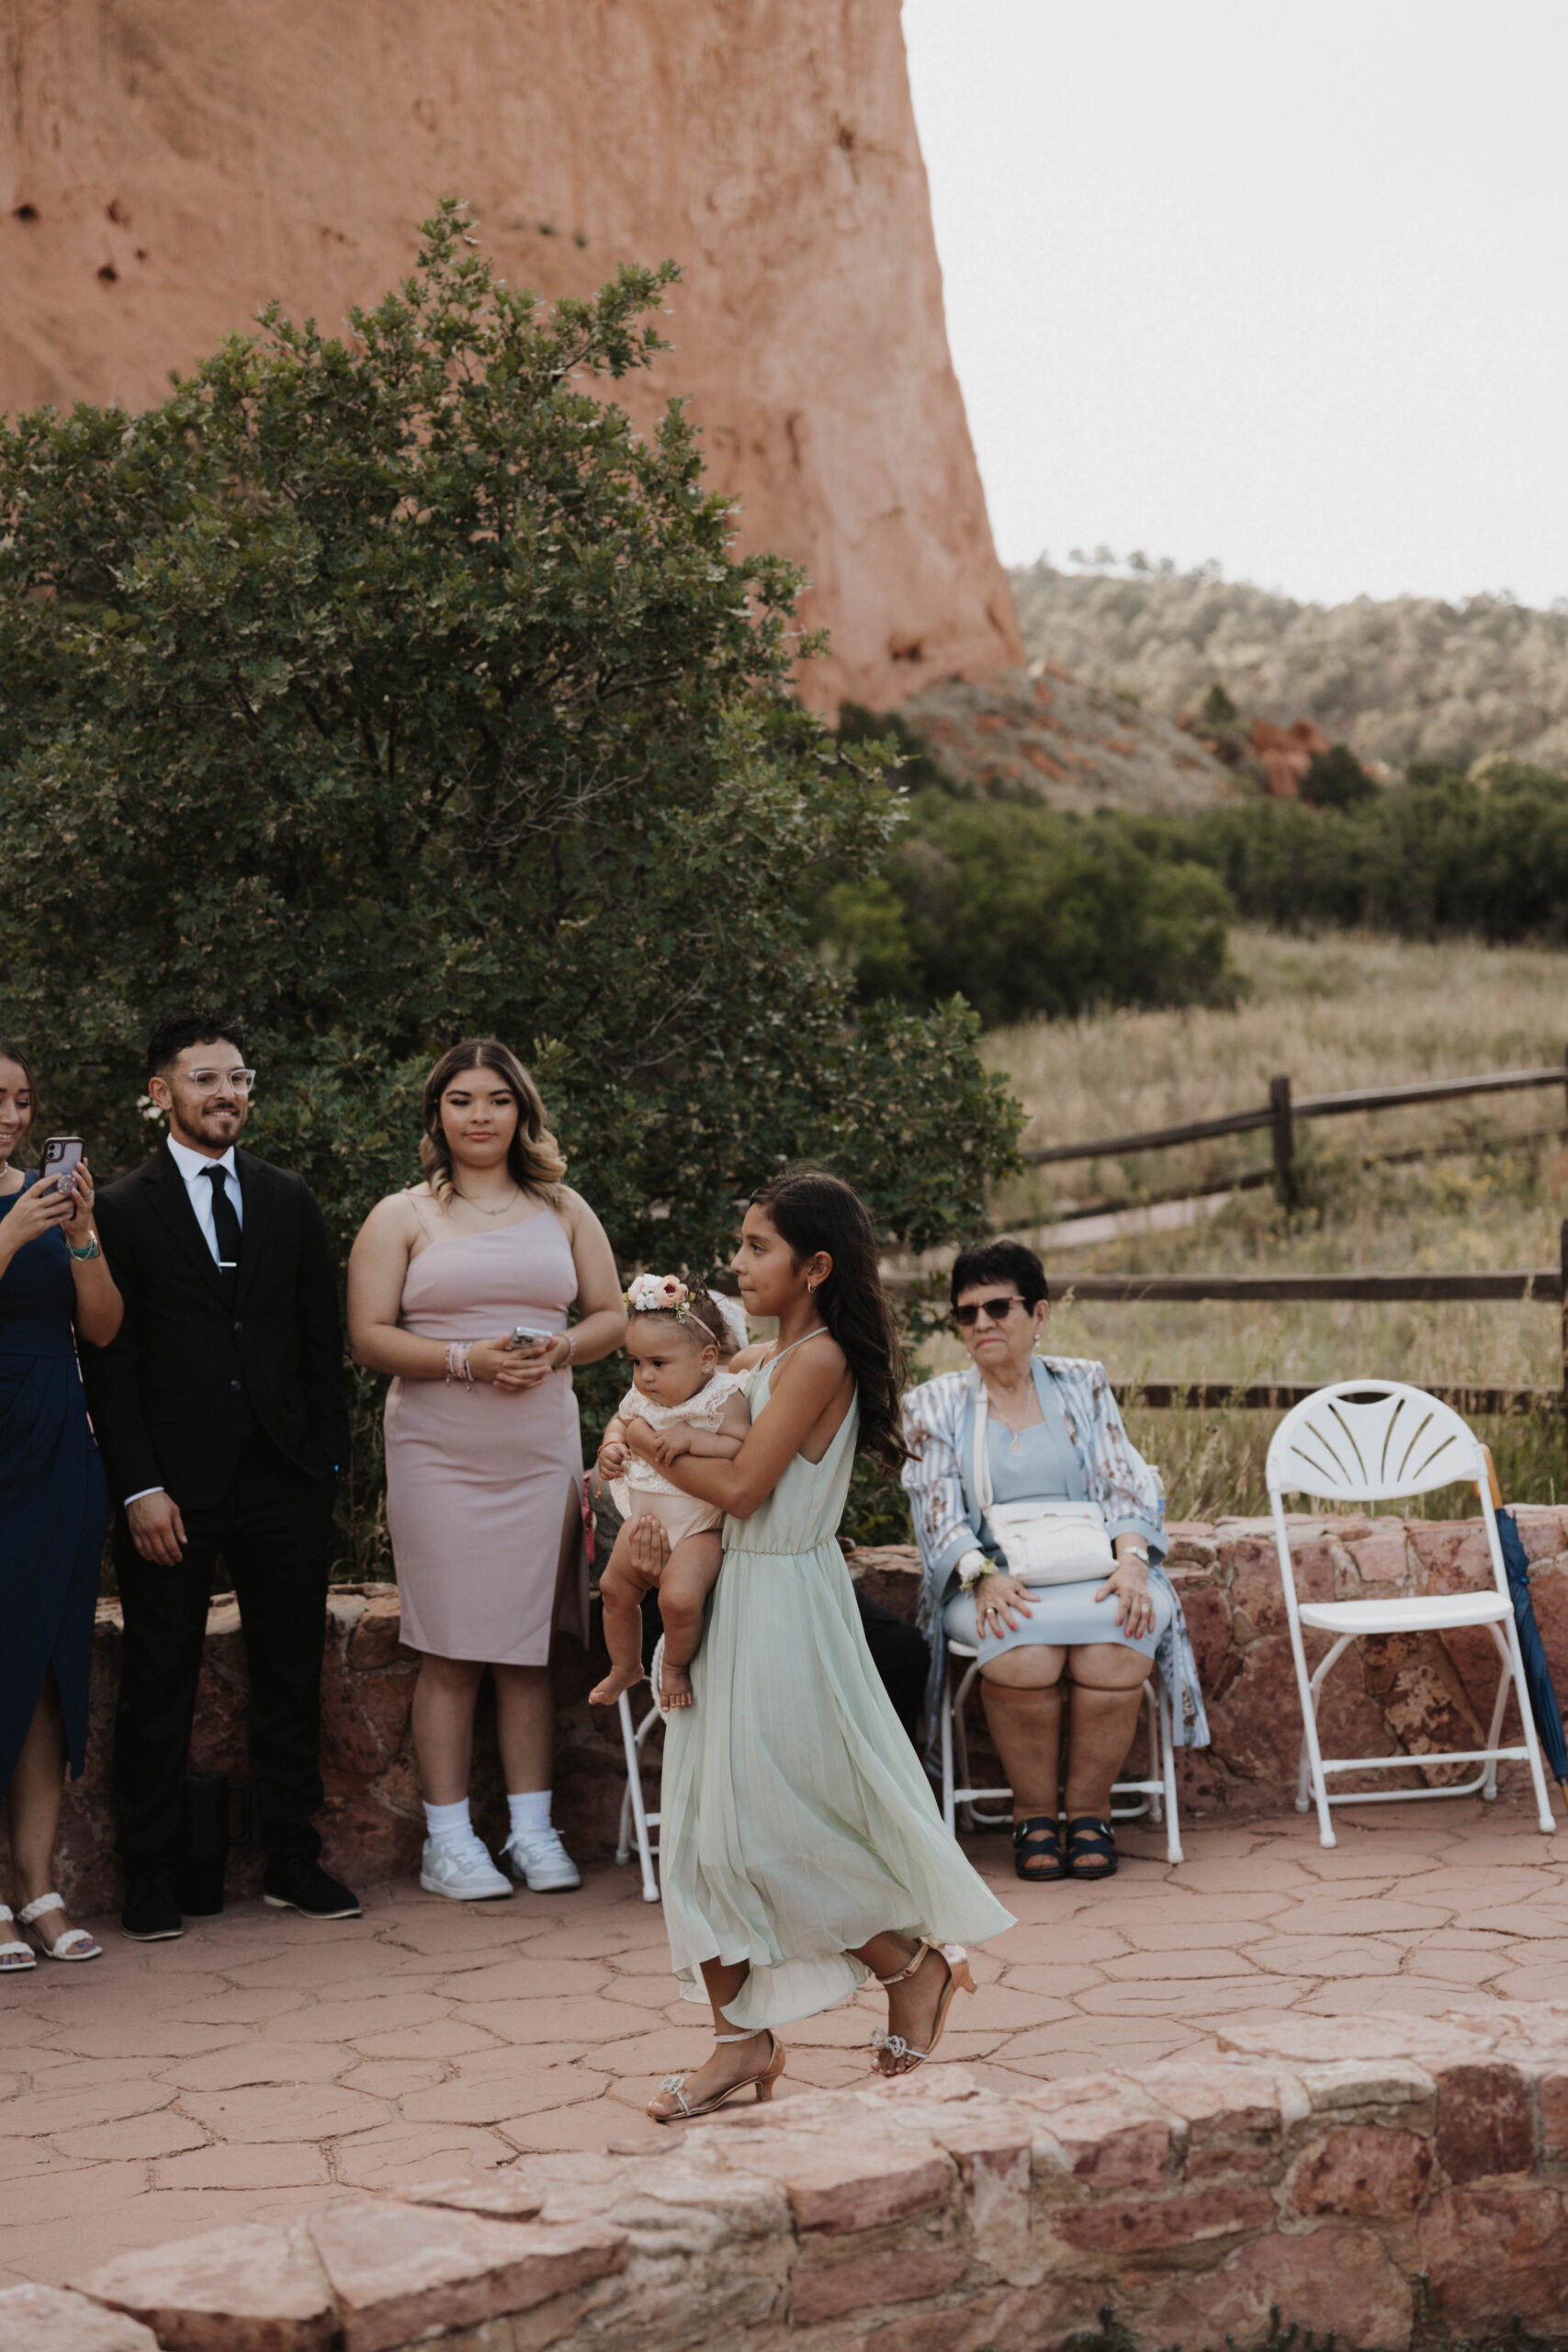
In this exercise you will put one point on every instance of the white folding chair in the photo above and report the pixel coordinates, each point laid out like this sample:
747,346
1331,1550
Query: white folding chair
1154,1797
637,1822
1373,1441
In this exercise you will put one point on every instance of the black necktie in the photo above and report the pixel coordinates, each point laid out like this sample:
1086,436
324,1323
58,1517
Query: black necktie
226,1224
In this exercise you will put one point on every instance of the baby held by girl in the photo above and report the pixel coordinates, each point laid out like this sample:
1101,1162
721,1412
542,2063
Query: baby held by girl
676,1340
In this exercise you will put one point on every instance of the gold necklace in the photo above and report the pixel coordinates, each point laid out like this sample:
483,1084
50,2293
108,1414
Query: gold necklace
512,1203
1017,1433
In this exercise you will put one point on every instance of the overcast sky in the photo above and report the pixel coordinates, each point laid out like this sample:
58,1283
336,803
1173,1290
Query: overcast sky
1283,283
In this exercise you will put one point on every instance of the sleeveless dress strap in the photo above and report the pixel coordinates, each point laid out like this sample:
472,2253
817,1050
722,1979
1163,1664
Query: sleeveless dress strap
821,1332
419,1212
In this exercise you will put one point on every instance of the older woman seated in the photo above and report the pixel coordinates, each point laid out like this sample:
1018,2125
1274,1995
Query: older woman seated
1053,1436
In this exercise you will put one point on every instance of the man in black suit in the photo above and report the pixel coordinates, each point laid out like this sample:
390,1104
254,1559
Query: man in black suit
219,1409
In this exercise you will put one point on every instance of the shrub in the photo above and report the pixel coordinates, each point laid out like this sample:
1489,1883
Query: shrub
387,689
1335,779
1020,910
1436,853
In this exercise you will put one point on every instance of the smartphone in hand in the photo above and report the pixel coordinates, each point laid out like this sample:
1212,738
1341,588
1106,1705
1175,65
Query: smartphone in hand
58,1162
528,1335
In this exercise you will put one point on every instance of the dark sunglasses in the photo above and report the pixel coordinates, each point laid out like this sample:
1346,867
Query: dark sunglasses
995,1310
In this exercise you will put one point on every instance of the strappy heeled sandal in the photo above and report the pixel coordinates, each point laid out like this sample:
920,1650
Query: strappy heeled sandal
74,1944
1090,1839
685,2112
1038,1840
904,2056
15,1957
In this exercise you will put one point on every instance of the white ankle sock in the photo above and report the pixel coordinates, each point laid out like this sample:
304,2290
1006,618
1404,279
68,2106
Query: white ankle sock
448,1824
530,1813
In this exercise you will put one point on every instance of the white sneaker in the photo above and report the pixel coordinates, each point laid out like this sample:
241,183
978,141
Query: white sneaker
464,1873
540,1862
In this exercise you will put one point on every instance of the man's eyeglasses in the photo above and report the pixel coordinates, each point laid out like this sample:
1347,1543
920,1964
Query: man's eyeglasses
208,1081
995,1310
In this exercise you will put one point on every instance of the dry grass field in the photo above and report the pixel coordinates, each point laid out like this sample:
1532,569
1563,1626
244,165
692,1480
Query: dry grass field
1337,1013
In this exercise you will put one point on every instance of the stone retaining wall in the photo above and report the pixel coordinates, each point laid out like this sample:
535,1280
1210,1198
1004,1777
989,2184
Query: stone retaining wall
1413,1692
372,1823
1427,1692
1401,2201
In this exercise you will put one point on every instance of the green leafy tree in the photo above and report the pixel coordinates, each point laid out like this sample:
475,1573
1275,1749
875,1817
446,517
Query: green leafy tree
386,688
1026,912
1436,853
1335,779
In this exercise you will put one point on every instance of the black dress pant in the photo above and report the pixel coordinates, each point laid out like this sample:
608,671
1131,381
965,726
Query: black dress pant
273,1535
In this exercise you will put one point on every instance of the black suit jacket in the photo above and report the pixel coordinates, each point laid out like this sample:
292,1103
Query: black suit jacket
174,1396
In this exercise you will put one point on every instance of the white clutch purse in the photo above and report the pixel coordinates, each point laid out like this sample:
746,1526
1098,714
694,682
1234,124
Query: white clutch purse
1052,1543
1042,1543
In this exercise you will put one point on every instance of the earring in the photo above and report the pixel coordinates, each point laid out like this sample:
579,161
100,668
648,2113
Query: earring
810,1287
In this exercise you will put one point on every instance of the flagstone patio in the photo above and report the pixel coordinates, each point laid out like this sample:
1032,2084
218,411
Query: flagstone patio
263,2063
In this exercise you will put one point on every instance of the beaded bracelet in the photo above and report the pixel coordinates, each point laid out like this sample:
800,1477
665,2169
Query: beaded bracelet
457,1363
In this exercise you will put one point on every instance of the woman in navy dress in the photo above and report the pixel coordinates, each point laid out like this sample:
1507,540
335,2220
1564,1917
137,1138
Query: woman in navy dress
54,1282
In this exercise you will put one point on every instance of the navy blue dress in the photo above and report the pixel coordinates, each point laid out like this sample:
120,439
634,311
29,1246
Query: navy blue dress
53,1506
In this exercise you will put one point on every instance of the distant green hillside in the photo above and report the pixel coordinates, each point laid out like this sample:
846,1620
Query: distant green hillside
1408,679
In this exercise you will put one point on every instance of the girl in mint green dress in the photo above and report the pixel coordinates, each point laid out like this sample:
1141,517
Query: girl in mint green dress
801,1847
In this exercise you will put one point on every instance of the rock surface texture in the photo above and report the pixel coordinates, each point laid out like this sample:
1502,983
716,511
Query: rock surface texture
1331,2177
173,165
268,2063
1077,747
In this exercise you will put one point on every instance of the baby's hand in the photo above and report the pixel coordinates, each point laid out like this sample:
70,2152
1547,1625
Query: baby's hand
612,1458
672,1445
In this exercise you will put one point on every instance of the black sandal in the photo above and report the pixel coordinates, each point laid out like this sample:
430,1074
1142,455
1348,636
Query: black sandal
1038,1840
1090,1841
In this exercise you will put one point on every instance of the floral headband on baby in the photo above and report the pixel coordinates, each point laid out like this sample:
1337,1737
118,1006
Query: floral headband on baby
658,1295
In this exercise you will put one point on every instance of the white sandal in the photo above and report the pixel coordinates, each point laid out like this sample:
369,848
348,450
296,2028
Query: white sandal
74,1944
15,1957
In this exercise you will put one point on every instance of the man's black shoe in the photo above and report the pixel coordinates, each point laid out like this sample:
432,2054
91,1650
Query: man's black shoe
305,1886
150,1914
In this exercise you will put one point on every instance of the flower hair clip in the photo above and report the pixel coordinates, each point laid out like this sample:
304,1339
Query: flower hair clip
658,1294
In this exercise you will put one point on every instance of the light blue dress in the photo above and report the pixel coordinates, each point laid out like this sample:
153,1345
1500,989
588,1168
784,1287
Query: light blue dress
1044,1468
797,1819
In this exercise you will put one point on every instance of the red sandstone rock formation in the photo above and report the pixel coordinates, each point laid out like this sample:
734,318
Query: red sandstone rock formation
171,164
1287,753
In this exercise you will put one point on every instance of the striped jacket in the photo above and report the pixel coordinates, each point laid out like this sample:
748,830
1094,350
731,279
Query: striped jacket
939,1428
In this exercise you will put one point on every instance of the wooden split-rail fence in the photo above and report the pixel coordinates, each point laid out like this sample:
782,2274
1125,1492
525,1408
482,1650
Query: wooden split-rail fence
1545,1285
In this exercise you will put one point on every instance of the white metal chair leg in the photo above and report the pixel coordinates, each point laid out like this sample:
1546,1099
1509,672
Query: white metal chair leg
1156,1753
1532,1741
961,1744
1168,1772
632,1803
948,1810
1309,1690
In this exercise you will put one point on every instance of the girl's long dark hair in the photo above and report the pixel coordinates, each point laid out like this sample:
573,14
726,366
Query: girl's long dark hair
813,1211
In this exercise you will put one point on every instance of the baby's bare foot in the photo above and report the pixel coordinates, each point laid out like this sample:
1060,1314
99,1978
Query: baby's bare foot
675,1687
619,1678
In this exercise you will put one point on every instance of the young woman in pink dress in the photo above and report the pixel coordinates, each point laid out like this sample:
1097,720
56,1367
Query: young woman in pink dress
484,1454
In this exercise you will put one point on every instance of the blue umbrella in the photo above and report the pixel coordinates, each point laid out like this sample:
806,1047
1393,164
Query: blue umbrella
1537,1674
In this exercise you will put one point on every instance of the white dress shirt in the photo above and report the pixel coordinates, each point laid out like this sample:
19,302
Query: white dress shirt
193,1167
